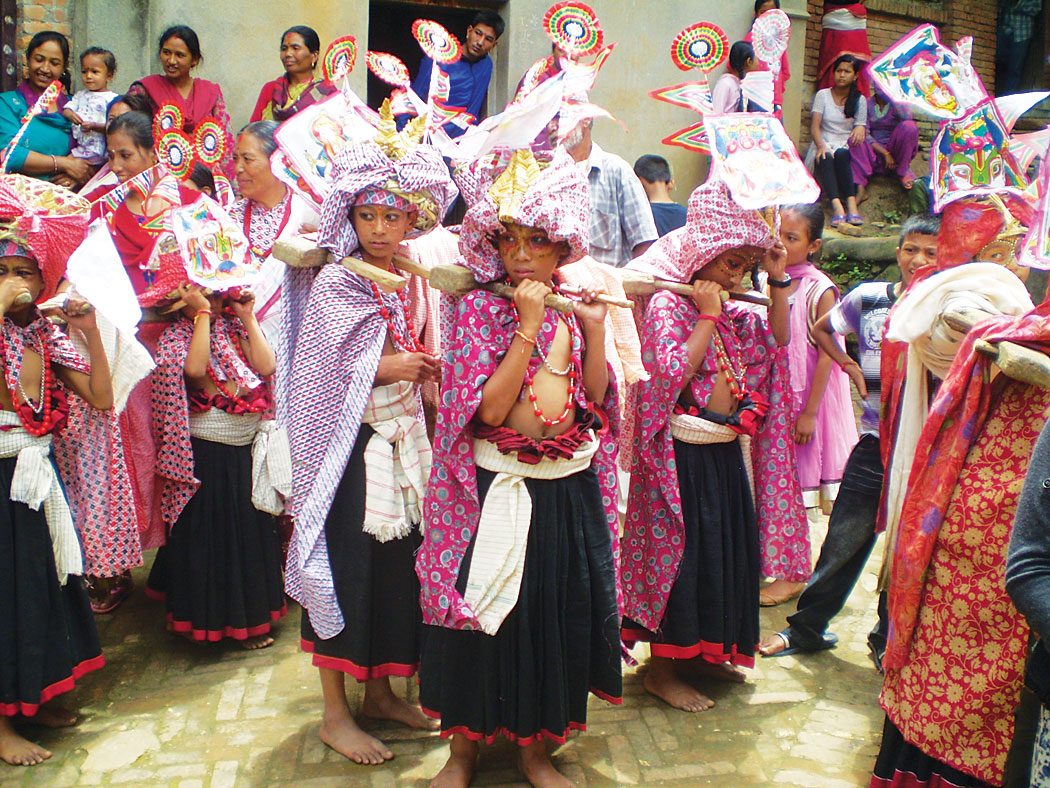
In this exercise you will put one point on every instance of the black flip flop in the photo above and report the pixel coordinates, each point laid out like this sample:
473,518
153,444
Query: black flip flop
829,641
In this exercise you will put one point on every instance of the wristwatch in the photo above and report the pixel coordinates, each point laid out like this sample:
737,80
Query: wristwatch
778,282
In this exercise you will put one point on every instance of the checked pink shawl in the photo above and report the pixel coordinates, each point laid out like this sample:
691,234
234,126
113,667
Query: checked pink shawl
483,333
331,370
171,412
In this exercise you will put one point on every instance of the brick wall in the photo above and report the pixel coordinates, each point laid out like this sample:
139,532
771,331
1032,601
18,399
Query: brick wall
37,15
888,20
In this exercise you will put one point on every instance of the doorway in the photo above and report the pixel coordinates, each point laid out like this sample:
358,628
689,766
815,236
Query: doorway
390,30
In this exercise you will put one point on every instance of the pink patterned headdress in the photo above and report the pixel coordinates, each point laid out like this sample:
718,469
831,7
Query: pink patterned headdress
552,198
715,224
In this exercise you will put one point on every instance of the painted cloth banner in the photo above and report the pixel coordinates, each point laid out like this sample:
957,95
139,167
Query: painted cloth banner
756,159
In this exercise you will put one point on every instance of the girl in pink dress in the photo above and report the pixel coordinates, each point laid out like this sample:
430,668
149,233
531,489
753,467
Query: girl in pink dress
825,427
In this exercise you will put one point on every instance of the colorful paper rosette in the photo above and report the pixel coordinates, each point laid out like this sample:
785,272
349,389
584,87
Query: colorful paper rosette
770,35
339,58
573,27
702,46
436,42
209,142
168,118
388,68
175,151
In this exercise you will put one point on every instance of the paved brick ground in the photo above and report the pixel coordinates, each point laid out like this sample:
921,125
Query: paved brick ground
164,712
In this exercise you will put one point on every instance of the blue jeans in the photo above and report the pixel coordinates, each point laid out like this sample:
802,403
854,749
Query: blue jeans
851,535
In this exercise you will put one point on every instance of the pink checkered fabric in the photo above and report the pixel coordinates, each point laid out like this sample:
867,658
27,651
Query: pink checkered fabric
422,173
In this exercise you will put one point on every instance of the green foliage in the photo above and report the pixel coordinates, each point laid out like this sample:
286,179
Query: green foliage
847,273
893,217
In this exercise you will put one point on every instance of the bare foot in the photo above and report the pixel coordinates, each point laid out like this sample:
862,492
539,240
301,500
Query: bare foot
536,764
54,717
778,592
18,751
347,739
458,770
252,644
720,671
391,707
663,682
771,645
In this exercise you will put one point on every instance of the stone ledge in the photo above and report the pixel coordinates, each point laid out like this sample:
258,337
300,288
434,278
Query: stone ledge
911,9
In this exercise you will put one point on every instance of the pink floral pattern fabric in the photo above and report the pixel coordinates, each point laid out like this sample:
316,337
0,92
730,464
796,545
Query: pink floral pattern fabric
653,540
483,333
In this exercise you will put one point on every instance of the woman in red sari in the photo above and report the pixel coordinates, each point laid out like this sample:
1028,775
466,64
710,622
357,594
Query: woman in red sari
135,227
844,31
180,53
297,88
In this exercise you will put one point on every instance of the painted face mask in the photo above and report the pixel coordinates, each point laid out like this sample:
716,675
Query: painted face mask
971,157
920,71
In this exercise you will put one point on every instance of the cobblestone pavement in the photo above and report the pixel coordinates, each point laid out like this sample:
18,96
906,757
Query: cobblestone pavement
164,712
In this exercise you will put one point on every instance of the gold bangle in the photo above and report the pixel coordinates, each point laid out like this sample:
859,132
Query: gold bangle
197,316
524,338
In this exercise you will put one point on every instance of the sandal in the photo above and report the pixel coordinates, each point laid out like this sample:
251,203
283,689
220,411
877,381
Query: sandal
855,219
104,602
828,641
837,219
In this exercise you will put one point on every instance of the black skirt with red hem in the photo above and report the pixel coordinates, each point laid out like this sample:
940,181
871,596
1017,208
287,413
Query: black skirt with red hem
48,638
903,765
220,572
531,680
375,584
712,611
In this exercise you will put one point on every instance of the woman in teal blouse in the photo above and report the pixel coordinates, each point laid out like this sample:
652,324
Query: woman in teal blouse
43,151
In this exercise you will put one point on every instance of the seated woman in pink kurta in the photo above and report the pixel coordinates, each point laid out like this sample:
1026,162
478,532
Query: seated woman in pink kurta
180,53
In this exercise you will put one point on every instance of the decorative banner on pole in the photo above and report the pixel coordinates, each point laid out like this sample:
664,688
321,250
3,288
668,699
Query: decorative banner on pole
312,138
692,138
46,99
702,46
339,59
769,36
436,42
756,159
388,68
971,156
213,247
920,71
691,95
573,27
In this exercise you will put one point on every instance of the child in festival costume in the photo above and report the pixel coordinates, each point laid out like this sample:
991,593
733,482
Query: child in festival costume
350,368
691,541
220,571
49,638
518,566
824,424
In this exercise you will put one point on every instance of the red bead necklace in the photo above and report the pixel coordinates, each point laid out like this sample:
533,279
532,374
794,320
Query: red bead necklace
409,344
43,410
569,371
736,375
259,252
257,407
